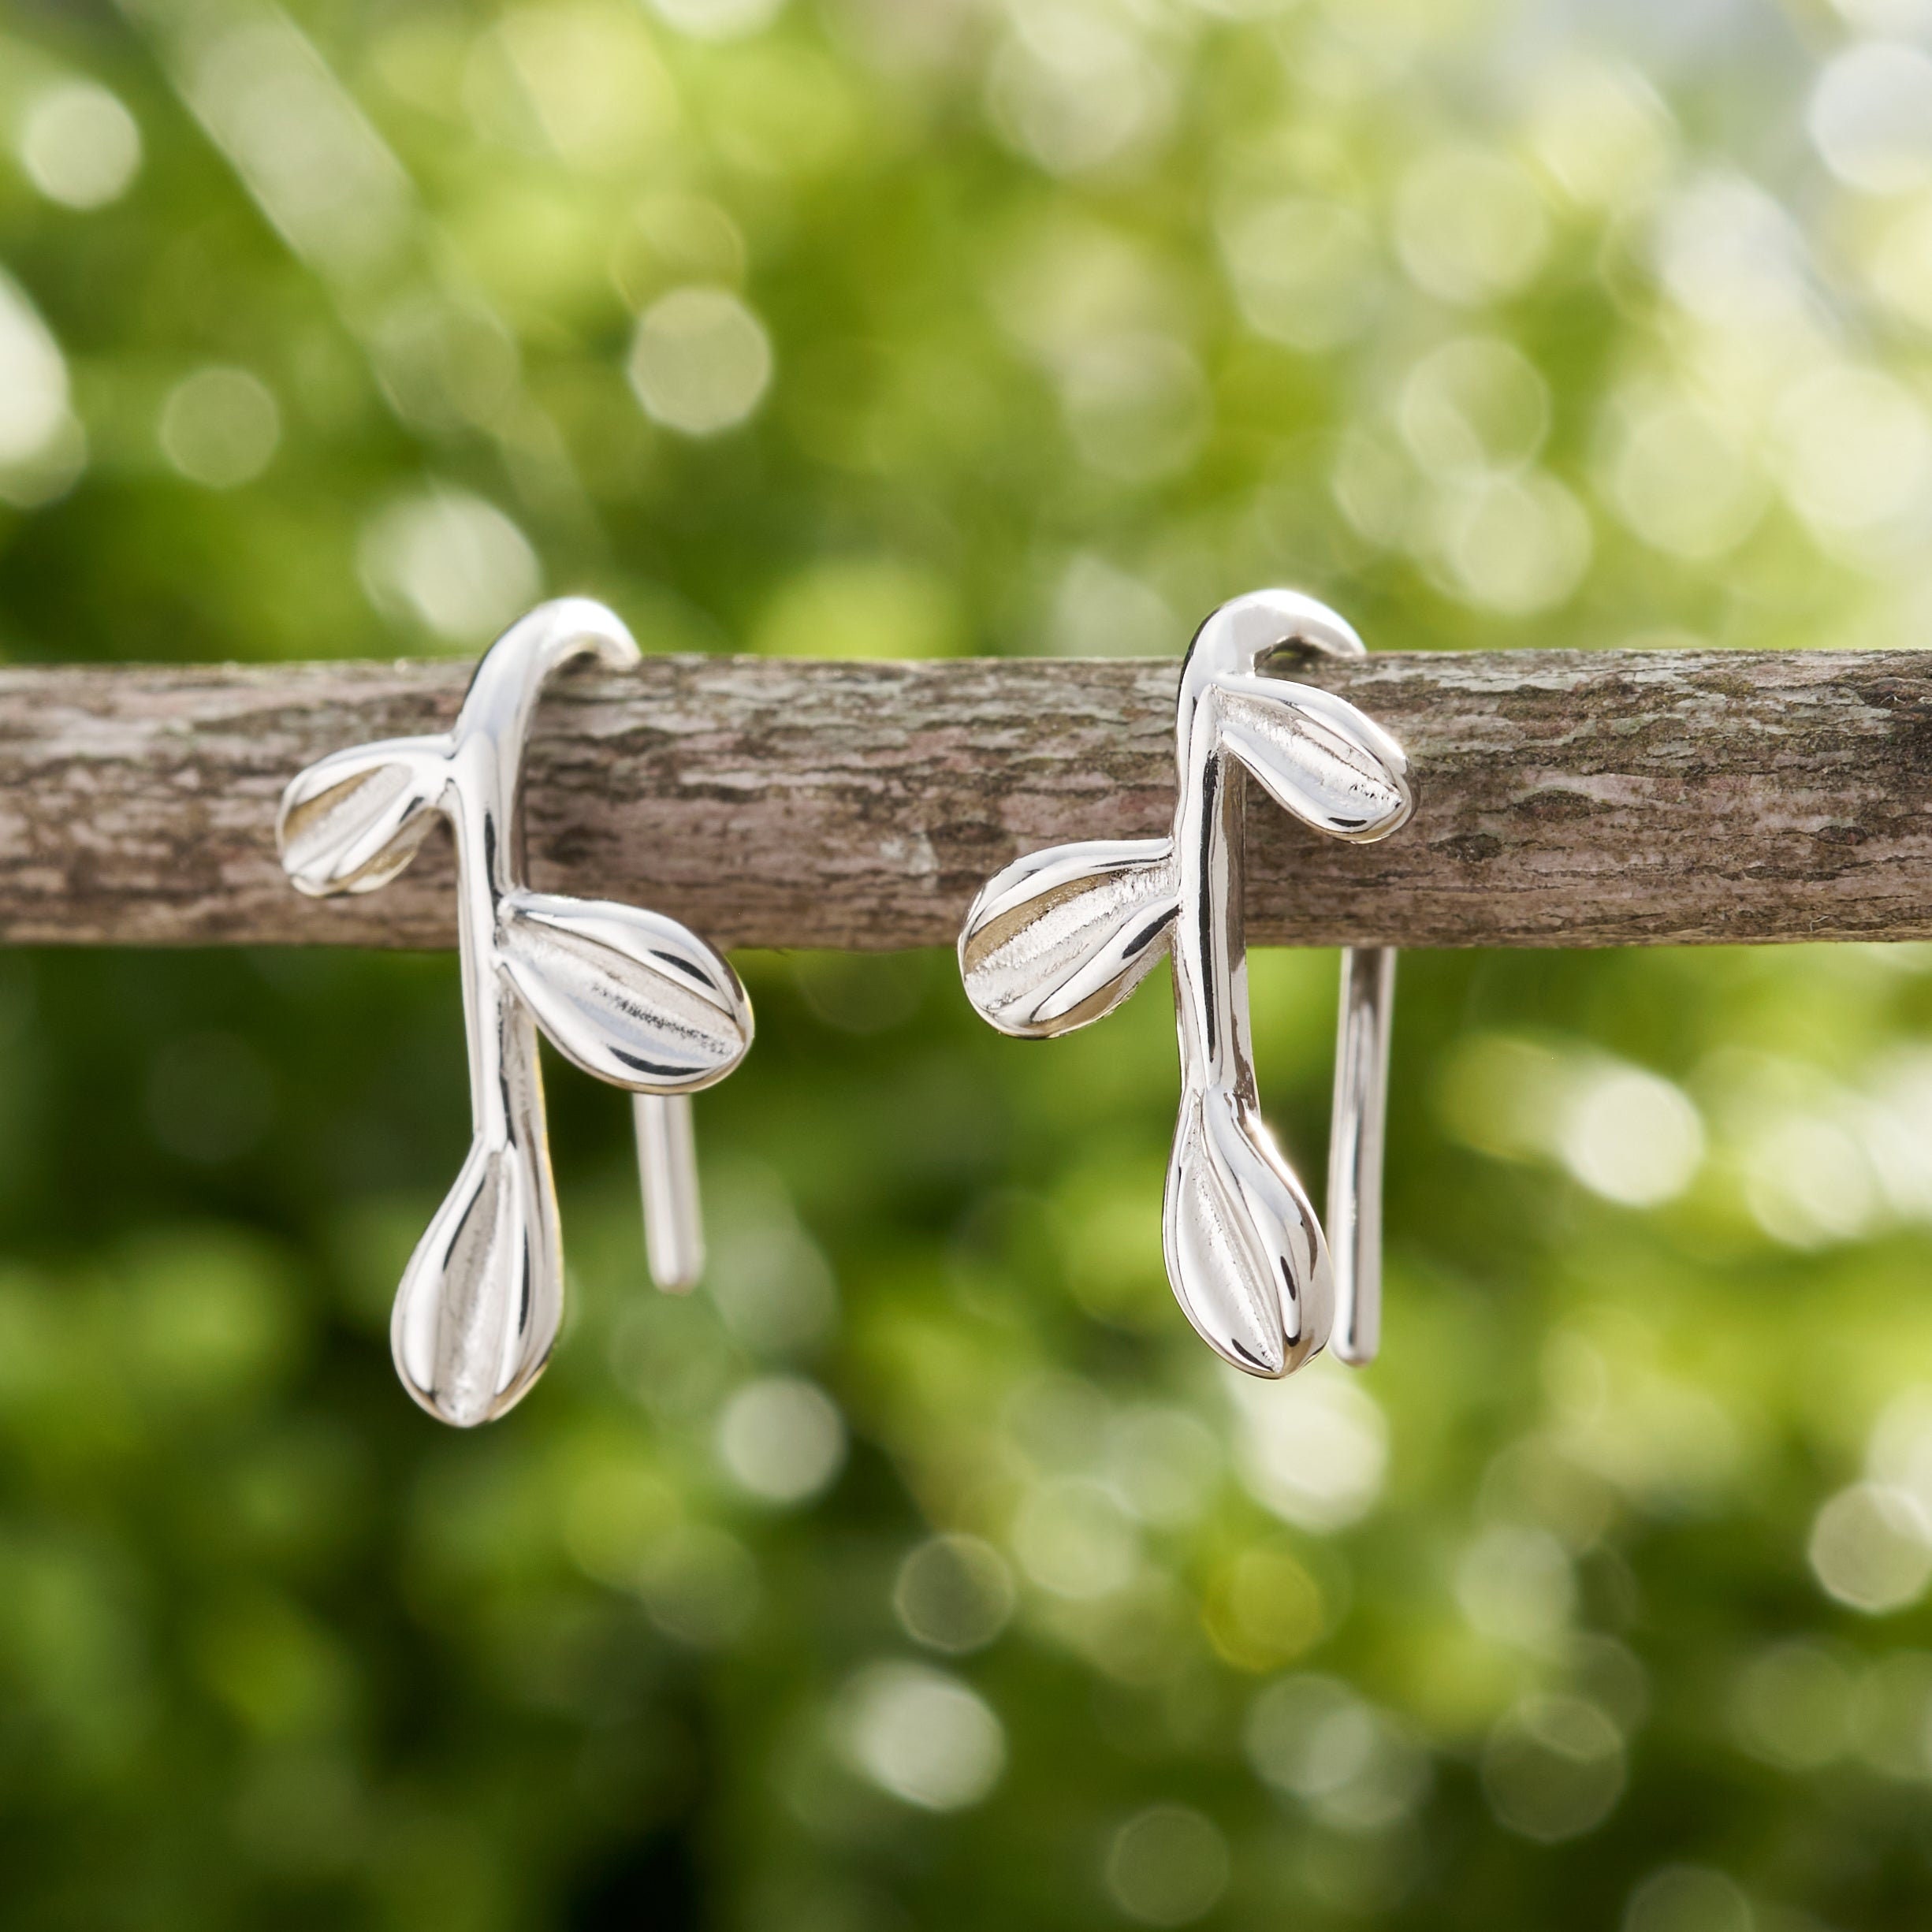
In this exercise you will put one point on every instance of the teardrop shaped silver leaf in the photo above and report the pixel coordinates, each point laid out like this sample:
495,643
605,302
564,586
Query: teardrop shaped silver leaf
352,821
627,995
1245,1256
482,1297
1062,936
1316,755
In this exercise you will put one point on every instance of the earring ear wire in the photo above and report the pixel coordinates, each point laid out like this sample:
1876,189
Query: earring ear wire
666,1164
1357,1126
1358,1118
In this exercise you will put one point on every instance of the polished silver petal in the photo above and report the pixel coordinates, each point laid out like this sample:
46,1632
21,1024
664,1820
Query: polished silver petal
1245,1254
352,821
1062,936
1316,756
629,996
482,1298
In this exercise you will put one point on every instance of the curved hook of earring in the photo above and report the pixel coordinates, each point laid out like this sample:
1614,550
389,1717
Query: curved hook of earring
1062,936
1358,1119
627,995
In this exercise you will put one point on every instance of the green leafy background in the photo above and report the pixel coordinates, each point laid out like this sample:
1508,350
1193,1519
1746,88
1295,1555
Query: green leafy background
921,1570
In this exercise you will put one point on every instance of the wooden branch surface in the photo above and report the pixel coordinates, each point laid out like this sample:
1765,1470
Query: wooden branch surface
1565,798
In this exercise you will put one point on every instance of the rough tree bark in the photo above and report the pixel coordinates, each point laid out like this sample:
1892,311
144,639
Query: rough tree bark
1565,799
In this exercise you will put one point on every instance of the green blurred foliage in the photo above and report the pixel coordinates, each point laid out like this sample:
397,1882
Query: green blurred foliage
921,1570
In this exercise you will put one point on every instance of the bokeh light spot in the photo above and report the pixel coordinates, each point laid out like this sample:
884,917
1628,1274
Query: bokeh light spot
922,1736
700,361
1854,449
1681,477
953,1593
1474,404
1355,1768
1600,131
770,1281
1688,1898
1552,1768
1891,1716
209,1318
1898,1453
718,20
1164,1462
1313,1449
1515,1584
450,561
1731,255
1306,273
1901,262
1631,1136
79,144
219,427
445,365
782,1439
1102,611
1515,544
1808,1180
1871,1548
1073,88
1262,1610
1870,116
1073,1538
587,75
1470,224
1791,1704
1167,1866
617,1508
42,449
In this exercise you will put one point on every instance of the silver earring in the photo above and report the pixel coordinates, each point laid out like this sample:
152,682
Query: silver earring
1064,935
627,995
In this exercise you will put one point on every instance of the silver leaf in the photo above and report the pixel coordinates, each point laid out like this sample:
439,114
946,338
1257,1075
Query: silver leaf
1062,936
351,822
629,996
1244,1252
482,1297
1316,756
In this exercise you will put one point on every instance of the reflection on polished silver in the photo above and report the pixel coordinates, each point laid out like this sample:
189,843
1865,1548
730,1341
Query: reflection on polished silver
627,995
667,1165
1062,936
1355,1141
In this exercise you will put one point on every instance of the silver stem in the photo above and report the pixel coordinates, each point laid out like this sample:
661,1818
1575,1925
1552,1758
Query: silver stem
482,1299
1363,1025
667,1163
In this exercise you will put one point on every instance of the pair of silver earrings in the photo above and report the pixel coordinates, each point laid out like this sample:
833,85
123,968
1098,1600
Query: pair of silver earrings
1055,941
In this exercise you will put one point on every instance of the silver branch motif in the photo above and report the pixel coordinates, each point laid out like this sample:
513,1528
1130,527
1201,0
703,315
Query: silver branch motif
627,995
1062,936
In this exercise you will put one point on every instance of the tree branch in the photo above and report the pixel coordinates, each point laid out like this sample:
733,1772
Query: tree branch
1564,798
